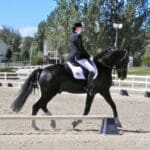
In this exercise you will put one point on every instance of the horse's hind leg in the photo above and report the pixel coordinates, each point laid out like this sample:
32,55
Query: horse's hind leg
42,104
47,112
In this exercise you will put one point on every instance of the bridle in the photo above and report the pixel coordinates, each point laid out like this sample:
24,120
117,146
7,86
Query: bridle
115,68
124,56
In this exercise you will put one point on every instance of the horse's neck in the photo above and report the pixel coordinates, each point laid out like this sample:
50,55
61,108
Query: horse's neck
110,59
103,71
103,68
105,63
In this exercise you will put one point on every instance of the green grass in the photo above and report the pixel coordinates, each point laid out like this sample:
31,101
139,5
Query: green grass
139,70
6,69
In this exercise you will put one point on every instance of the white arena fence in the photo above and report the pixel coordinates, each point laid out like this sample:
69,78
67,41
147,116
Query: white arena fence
53,117
131,83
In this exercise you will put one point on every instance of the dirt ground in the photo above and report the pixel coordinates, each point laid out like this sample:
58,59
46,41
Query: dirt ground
134,112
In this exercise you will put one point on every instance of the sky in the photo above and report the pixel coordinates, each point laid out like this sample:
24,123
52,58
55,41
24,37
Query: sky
24,15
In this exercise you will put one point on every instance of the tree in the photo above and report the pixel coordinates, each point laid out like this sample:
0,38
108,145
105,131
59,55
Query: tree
37,60
9,55
60,23
146,59
137,18
98,17
40,37
25,48
12,39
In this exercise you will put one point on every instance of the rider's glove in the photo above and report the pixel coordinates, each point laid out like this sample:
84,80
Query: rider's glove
91,58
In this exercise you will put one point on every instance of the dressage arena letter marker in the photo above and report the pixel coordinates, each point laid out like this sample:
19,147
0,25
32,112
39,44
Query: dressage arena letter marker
147,94
124,92
10,85
109,126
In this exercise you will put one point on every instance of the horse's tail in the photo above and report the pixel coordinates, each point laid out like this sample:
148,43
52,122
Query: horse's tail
30,84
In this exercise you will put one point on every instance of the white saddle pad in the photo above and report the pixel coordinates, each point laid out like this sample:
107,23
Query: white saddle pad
77,71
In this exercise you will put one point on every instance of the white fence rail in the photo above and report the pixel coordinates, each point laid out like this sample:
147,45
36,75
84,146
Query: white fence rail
8,79
13,76
54,117
133,82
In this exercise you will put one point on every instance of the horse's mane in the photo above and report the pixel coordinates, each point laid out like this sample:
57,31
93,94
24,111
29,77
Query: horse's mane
106,52
103,53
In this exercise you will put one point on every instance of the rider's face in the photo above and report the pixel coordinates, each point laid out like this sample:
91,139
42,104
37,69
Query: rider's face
79,29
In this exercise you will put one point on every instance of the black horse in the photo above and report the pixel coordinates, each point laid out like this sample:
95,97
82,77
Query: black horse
57,78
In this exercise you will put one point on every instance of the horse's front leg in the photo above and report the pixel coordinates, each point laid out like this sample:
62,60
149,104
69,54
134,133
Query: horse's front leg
108,98
89,100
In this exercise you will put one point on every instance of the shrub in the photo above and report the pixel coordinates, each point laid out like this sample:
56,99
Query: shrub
37,60
146,59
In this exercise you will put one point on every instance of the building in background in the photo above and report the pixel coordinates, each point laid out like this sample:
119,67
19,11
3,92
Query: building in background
51,55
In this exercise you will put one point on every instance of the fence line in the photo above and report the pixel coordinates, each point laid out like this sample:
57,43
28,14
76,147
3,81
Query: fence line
54,117
133,82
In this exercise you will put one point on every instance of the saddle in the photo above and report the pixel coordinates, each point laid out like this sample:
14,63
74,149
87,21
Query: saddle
79,72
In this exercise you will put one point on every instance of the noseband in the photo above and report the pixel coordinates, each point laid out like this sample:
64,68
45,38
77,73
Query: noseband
124,56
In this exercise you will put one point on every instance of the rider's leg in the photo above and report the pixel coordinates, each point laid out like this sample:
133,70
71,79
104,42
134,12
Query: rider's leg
86,64
90,83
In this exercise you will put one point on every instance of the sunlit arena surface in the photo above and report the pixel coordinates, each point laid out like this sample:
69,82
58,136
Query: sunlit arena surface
133,112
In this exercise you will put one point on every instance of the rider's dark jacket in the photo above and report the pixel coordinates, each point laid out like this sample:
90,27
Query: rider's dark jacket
77,49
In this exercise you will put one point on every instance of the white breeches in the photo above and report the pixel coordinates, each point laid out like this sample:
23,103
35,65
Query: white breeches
86,64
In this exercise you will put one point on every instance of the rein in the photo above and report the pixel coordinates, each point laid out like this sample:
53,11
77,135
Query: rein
115,68
112,67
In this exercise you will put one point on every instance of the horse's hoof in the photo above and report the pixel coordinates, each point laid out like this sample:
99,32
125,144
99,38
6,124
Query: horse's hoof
34,125
53,124
118,123
36,128
75,123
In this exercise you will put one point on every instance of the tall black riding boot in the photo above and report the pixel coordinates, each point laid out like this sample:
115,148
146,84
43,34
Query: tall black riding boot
90,84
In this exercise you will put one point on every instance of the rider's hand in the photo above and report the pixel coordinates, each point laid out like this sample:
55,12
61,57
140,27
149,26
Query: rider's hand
91,58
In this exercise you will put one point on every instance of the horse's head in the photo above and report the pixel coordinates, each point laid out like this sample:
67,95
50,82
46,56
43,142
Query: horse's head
117,58
122,64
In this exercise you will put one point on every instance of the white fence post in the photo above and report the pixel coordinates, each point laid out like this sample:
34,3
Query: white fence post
133,81
146,82
5,76
119,83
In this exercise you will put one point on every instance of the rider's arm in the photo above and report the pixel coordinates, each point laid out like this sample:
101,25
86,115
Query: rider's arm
79,44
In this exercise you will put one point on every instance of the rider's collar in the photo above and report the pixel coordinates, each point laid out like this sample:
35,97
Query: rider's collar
78,32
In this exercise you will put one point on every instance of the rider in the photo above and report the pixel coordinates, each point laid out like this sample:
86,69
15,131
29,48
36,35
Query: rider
79,55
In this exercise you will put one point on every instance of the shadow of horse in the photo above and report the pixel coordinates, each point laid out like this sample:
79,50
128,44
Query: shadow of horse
135,131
